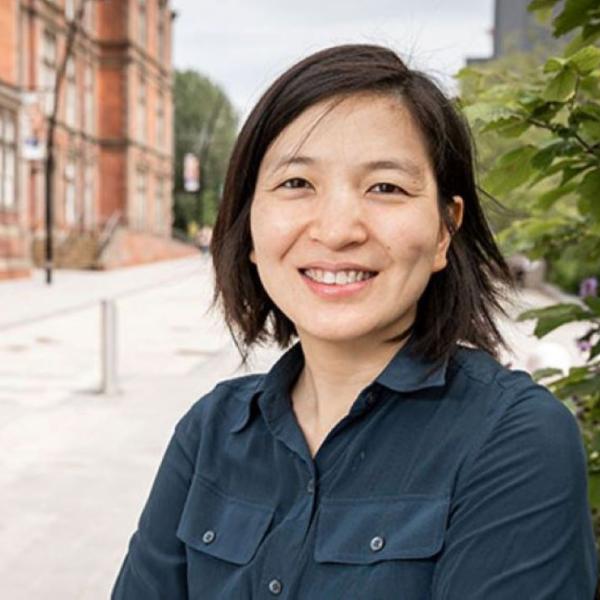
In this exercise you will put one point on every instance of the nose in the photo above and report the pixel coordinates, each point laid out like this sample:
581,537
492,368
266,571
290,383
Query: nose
338,220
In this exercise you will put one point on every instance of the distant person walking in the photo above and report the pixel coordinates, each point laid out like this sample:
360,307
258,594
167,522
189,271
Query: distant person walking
204,238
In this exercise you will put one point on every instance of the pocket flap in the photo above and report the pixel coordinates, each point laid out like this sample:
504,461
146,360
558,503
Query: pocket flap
221,526
368,531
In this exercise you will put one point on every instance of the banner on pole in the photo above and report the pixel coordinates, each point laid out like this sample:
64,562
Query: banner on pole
33,128
191,173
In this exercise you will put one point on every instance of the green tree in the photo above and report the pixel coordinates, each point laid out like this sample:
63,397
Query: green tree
545,126
205,125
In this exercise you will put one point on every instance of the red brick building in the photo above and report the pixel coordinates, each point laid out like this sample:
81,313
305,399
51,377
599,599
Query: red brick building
113,141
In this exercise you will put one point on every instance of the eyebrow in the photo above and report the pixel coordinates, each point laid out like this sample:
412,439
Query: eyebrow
405,165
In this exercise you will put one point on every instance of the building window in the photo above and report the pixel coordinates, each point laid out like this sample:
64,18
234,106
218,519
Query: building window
161,34
159,225
142,23
70,9
89,108
139,204
70,194
71,94
48,70
141,110
8,163
160,120
89,217
88,17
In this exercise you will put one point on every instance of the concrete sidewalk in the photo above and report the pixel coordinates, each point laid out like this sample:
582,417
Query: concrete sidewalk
76,466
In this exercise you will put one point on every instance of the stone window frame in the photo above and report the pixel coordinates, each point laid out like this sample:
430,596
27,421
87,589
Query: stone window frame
8,160
139,213
48,68
142,106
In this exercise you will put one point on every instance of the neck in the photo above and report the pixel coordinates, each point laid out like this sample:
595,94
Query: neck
334,374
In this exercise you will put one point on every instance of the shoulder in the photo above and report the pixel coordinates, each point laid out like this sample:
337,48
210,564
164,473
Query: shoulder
219,408
519,416
486,381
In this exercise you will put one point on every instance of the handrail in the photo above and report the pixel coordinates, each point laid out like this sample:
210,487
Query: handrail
108,231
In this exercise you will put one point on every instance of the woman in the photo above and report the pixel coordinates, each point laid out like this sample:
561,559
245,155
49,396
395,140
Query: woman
387,454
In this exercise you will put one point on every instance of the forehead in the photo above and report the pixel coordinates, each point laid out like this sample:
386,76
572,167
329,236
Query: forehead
360,127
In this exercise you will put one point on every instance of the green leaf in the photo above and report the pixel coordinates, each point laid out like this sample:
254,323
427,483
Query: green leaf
552,317
593,303
584,388
512,170
587,111
586,59
540,374
573,15
546,200
589,191
595,351
553,64
591,129
546,111
557,167
540,4
586,37
590,32
570,172
486,112
507,126
594,490
562,87
544,157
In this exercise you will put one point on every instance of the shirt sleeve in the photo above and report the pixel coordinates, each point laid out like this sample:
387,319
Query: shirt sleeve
155,565
520,523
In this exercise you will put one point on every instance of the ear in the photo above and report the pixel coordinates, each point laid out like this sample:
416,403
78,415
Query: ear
456,210
252,256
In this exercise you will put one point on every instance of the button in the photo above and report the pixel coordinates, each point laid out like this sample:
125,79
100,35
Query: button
275,587
209,536
310,486
377,543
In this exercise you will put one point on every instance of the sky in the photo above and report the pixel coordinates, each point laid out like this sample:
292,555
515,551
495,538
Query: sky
243,45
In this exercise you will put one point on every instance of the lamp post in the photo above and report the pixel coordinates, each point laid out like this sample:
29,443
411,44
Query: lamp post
49,162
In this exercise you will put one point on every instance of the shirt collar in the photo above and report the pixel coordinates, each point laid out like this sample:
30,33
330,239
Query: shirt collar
406,372
272,387
409,372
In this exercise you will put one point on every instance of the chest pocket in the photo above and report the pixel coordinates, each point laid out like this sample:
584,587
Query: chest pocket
227,528
369,531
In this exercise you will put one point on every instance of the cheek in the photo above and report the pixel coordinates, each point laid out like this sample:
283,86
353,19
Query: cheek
411,238
273,230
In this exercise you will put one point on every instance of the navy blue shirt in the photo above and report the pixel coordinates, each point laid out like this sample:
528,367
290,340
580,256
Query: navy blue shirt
459,481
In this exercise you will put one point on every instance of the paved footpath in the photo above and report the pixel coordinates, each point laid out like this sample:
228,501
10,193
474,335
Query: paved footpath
76,466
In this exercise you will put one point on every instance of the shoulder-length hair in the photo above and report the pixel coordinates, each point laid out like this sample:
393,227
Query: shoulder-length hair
459,302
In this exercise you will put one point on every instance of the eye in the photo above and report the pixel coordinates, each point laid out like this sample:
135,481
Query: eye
387,188
295,183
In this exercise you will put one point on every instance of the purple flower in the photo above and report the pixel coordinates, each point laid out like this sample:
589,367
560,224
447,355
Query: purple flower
584,345
588,287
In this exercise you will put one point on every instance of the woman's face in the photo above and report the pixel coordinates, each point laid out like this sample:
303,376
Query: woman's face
345,224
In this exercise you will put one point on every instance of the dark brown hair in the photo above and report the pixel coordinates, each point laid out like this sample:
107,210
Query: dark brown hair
460,301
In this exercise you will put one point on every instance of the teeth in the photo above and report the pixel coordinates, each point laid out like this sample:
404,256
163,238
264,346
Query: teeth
337,277
328,277
341,278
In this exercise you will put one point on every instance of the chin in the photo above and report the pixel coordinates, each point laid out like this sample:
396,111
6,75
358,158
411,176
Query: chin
336,332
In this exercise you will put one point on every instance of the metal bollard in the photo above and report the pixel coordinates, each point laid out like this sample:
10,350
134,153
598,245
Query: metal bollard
109,347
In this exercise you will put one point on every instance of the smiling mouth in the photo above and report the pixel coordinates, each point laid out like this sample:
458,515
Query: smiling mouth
333,278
